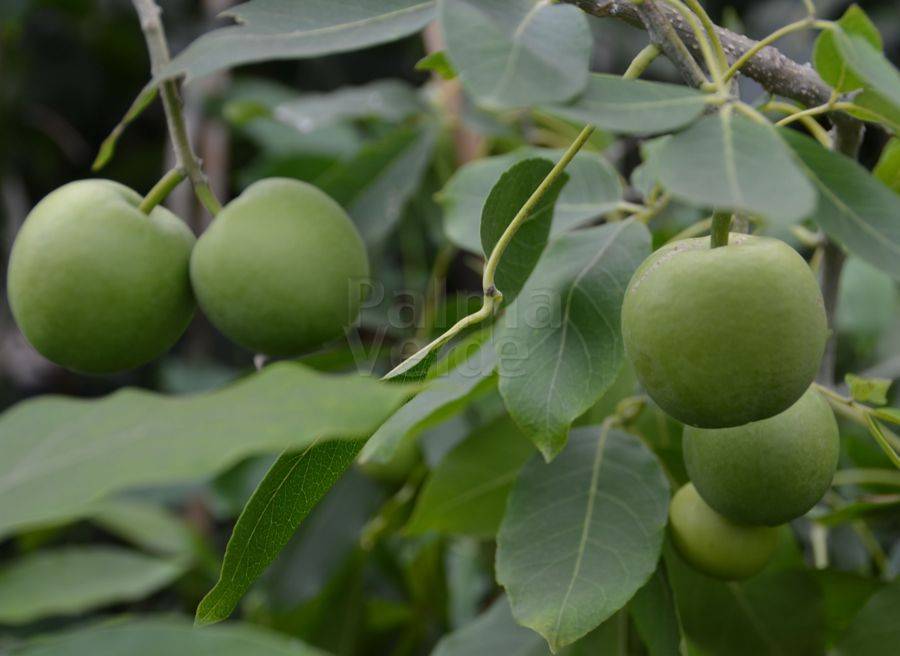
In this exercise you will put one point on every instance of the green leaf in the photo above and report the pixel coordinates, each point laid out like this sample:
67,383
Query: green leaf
375,185
633,106
492,633
867,301
868,390
285,496
513,53
891,415
828,60
853,207
874,631
560,345
593,189
73,580
443,398
656,618
437,62
507,197
871,66
58,456
844,593
581,535
155,636
273,29
888,168
729,162
145,525
108,147
466,493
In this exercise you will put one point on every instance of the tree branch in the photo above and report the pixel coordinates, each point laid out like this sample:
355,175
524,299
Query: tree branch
663,35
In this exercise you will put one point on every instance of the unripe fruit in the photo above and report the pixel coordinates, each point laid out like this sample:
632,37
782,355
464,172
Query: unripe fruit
95,284
724,336
769,471
279,270
713,544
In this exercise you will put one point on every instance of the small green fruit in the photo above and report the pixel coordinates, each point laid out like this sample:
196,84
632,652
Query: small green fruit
279,270
714,545
769,471
95,284
724,336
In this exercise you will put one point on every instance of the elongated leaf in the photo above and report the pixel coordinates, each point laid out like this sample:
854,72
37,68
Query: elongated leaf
868,63
874,630
73,580
391,100
888,168
169,635
279,29
593,189
633,106
58,456
375,185
853,207
656,618
827,58
729,162
844,593
493,632
108,147
145,525
289,491
582,534
467,492
504,202
512,53
560,343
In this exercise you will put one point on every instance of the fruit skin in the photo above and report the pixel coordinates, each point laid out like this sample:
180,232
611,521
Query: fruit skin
95,284
278,271
714,545
724,336
768,471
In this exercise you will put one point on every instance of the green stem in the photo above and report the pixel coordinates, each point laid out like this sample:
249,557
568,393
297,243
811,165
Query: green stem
162,189
641,61
718,234
710,28
706,49
796,26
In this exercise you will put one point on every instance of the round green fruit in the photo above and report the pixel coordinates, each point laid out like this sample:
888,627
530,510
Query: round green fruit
768,471
279,271
95,284
713,544
724,336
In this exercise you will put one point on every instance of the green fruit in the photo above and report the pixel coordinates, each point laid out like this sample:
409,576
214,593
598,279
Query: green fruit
724,336
279,270
714,545
95,284
768,471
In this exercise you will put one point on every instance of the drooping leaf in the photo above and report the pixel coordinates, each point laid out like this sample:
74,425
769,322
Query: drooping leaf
888,168
582,534
729,162
560,345
593,189
275,29
827,58
145,525
633,106
870,65
167,635
514,53
108,147
874,631
656,618
853,207
868,389
466,493
503,203
390,100
58,455
375,185
285,496
73,580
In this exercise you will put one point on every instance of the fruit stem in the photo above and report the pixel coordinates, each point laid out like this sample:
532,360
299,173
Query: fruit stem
718,234
162,189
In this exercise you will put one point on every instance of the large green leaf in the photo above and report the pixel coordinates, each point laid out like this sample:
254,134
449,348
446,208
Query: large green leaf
513,53
827,58
72,580
176,637
582,534
853,207
868,63
282,29
729,162
504,202
888,168
633,106
467,491
655,616
560,343
59,455
145,525
285,496
593,189
874,631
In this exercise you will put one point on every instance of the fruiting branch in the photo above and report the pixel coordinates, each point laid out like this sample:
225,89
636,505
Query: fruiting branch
158,48
162,189
721,224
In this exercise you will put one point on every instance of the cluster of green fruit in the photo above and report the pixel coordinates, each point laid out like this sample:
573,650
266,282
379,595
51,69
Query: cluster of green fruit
728,341
97,285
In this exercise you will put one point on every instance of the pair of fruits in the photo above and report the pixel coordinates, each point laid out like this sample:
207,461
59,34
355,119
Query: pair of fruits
728,340
98,286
